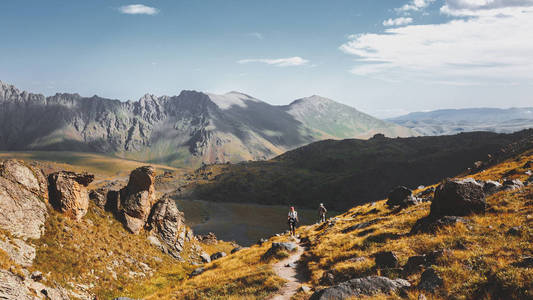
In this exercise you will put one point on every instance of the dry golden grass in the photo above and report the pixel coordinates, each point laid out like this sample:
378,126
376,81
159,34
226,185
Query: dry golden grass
477,262
243,275
482,270
99,250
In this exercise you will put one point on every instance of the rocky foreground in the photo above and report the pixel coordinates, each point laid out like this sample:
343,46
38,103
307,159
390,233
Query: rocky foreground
33,204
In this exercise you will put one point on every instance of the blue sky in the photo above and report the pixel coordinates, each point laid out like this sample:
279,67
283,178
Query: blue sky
382,57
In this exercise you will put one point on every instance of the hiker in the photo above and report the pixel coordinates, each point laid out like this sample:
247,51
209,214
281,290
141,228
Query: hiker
322,213
292,219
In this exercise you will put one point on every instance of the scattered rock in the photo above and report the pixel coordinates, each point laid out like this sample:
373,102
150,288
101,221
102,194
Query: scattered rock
208,239
510,185
284,246
205,257
431,225
261,241
197,271
398,195
68,193
217,255
526,262
458,198
366,286
386,259
168,223
426,195
414,264
327,279
430,280
137,198
22,200
490,187
37,276
305,289
362,225
236,249
515,231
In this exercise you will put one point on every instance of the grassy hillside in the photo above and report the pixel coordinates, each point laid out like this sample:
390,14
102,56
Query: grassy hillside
96,163
350,172
474,263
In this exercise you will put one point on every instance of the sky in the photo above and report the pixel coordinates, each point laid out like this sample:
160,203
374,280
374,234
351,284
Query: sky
386,57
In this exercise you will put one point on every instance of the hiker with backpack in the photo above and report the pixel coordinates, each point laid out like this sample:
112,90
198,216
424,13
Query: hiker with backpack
292,220
322,213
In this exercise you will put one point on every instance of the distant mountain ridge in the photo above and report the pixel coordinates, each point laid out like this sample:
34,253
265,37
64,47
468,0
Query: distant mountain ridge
451,121
183,130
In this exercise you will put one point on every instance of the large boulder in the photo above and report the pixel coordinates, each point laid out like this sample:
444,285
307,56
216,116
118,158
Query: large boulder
29,177
68,193
137,198
22,200
458,198
367,286
168,223
401,196
386,259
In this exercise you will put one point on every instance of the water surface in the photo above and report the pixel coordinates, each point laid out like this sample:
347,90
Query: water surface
242,223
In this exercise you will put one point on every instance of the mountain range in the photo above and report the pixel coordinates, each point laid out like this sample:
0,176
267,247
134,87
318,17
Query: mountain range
184,130
452,121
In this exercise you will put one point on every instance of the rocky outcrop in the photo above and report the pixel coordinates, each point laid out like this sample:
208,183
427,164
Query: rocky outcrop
15,287
27,176
137,198
358,287
169,224
22,200
18,251
458,198
68,193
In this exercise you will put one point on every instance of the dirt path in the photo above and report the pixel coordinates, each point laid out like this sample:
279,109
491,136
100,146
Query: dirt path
289,273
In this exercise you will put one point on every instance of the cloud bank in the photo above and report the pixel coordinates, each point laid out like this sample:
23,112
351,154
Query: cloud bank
487,41
138,9
280,62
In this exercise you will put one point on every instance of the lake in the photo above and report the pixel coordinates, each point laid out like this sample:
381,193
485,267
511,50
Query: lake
243,223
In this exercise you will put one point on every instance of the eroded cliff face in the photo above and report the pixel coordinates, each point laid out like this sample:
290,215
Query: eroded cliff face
187,129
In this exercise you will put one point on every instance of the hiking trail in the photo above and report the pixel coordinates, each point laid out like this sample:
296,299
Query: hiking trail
287,269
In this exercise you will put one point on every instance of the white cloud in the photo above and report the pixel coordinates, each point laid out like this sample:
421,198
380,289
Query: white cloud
458,5
138,9
486,48
398,21
414,5
280,62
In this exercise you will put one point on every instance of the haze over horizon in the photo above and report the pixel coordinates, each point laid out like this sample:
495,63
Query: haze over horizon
387,58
